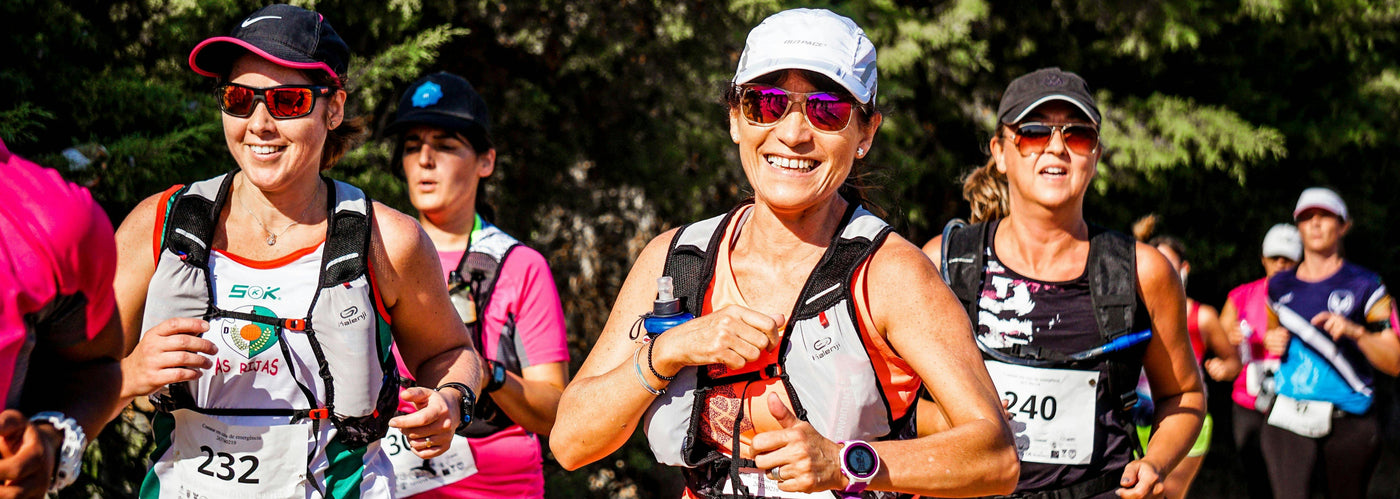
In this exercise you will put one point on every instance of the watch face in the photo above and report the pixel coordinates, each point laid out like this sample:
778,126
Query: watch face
860,460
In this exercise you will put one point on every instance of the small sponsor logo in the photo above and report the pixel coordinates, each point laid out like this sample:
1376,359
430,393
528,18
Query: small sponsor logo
345,314
254,292
821,344
250,21
351,315
250,338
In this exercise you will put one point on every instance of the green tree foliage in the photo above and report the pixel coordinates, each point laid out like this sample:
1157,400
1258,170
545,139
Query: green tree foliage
610,127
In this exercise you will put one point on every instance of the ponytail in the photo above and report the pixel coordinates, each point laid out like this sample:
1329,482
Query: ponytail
986,192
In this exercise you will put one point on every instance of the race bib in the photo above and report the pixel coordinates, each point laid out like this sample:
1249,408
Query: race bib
1052,411
760,485
214,460
1309,418
415,474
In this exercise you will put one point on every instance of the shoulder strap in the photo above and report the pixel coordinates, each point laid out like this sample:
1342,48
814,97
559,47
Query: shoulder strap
860,236
189,227
347,250
689,261
964,258
1112,281
481,264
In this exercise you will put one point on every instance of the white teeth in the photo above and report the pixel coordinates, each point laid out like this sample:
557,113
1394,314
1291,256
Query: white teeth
263,149
790,163
1055,170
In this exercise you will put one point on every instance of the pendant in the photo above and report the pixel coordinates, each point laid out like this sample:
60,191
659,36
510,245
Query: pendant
271,239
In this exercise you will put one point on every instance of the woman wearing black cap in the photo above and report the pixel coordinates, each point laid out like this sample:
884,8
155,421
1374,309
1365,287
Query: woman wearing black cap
270,296
503,291
1066,313
816,326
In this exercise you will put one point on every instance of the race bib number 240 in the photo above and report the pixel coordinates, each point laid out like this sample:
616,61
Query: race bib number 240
1052,411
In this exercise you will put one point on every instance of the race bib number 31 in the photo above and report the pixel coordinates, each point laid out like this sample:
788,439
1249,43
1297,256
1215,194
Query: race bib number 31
213,460
1052,411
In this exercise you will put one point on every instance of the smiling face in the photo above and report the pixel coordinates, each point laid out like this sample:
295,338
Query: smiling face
443,171
273,153
1056,178
792,166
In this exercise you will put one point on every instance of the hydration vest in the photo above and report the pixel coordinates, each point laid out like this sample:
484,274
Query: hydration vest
475,279
1112,272
358,374
822,361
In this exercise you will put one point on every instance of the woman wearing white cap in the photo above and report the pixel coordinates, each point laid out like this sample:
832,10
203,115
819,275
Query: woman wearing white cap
1339,329
1068,314
788,382
1245,318
270,296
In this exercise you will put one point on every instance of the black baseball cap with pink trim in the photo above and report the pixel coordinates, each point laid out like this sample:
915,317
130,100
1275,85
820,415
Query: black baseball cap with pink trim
286,35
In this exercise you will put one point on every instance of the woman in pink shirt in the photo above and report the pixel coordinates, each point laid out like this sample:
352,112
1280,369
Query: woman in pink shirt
1245,319
502,290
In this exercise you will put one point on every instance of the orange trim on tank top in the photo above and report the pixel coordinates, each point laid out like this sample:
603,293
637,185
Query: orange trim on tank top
271,264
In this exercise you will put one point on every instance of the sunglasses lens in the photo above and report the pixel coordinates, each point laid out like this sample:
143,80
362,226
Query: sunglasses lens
764,105
828,112
1032,138
289,102
1081,139
235,100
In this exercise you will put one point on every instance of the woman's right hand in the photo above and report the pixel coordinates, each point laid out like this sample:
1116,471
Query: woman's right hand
733,336
1276,340
167,353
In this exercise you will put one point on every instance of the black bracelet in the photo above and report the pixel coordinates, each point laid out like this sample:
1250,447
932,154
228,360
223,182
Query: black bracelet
651,346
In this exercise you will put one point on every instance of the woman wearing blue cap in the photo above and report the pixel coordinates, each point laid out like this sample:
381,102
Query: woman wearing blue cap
815,324
1067,314
1339,330
502,290
270,296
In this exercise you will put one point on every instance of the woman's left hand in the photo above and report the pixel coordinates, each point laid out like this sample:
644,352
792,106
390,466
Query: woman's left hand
1141,480
807,461
429,429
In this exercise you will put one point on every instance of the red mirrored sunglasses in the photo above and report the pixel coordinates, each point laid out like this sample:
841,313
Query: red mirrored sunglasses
282,102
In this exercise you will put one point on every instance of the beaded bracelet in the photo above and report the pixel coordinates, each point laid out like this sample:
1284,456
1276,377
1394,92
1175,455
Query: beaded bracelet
637,363
651,345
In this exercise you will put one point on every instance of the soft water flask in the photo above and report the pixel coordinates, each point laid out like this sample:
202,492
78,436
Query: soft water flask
666,311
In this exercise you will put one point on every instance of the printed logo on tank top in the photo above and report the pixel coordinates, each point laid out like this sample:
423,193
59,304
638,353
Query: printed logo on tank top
249,339
244,291
1341,302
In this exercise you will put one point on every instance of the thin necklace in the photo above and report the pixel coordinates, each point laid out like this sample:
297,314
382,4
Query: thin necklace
271,236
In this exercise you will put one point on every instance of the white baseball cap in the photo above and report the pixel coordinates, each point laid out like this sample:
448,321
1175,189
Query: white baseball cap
1283,240
816,40
1324,198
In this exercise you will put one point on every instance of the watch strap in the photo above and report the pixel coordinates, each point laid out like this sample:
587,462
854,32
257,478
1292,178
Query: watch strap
498,376
857,484
468,403
70,451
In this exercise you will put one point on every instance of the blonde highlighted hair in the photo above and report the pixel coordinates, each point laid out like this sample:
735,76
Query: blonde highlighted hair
986,193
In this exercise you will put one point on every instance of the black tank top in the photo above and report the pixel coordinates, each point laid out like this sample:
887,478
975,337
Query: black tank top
1056,316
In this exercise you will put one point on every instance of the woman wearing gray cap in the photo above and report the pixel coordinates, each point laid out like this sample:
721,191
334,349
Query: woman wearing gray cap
271,295
1339,330
815,324
1067,314
503,291
1245,318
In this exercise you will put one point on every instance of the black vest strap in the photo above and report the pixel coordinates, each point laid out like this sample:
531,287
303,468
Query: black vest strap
476,274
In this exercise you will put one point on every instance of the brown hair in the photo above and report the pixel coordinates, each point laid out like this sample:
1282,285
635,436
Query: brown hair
1145,227
857,184
986,193
345,137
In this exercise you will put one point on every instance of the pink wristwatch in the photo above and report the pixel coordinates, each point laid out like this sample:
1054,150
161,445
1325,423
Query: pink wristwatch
859,463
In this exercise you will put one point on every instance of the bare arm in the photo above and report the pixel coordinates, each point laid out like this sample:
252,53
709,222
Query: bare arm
1227,364
531,399
601,408
431,338
1381,348
927,325
1171,370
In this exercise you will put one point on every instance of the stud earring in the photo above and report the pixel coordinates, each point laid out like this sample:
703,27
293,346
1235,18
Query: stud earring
860,152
